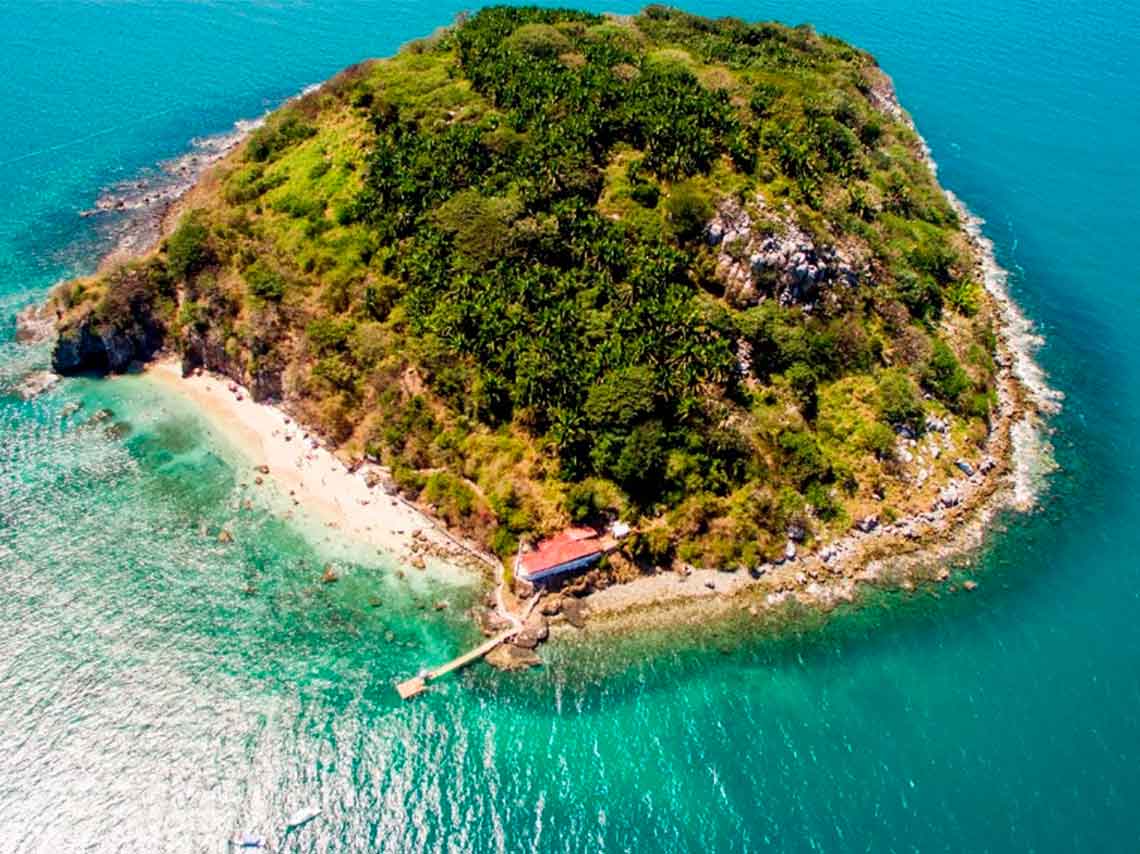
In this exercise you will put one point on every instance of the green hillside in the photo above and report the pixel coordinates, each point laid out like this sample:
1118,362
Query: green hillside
552,266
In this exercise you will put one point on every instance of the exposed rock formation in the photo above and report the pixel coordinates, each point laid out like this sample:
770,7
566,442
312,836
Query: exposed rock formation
773,258
98,348
261,373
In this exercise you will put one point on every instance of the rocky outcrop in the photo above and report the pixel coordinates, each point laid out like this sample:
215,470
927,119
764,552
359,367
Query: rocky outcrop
534,632
261,374
510,657
773,258
88,346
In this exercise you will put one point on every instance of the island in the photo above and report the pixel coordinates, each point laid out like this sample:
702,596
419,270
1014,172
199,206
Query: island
646,311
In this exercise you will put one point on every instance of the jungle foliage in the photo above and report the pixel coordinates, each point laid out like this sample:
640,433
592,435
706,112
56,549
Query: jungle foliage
485,260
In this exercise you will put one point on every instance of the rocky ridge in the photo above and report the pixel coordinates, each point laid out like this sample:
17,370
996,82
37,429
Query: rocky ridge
772,257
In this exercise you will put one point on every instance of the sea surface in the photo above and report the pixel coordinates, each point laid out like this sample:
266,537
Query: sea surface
161,690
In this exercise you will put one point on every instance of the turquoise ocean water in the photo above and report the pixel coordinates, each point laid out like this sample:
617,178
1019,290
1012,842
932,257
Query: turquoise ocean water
160,690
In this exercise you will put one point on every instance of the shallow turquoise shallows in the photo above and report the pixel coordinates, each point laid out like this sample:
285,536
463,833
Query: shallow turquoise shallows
160,690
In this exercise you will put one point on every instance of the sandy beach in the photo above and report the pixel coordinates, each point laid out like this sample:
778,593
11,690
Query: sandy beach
287,458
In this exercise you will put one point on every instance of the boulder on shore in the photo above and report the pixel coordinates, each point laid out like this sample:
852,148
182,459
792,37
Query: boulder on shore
534,632
510,657
574,612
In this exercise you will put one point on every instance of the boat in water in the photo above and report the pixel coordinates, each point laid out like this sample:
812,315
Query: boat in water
302,817
249,841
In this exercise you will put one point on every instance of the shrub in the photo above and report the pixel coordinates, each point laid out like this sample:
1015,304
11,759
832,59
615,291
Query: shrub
264,283
380,297
921,294
877,438
645,194
802,380
803,460
640,463
689,211
540,40
965,296
899,401
653,545
944,376
454,500
335,370
194,314
329,333
275,136
187,250
408,481
622,397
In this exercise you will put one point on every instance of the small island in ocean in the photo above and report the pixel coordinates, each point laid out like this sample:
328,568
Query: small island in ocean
644,310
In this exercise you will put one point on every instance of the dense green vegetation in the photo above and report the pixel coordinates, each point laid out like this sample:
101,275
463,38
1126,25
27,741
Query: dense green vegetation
484,262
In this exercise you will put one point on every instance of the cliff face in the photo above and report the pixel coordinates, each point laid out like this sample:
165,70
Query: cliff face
85,348
122,326
207,350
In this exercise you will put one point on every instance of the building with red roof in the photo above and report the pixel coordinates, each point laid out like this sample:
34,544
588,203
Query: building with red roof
573,549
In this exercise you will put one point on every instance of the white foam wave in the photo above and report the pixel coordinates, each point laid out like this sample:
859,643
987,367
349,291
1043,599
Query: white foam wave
1032,454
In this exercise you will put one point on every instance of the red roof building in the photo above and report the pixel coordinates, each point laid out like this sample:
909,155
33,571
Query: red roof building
574,548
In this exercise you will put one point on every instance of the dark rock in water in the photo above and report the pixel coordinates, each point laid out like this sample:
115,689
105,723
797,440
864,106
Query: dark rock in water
511,657
99,417
90,346
119,430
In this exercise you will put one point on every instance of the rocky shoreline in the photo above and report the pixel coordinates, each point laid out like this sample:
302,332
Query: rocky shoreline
904,553
901,554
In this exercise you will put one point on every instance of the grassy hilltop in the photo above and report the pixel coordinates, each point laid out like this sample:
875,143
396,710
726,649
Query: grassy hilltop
553,266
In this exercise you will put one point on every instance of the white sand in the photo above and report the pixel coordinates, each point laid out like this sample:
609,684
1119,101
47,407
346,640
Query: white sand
312,476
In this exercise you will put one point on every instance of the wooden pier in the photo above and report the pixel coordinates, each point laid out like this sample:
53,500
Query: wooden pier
417,684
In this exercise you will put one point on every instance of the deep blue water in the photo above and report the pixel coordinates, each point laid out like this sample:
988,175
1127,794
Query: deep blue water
147,702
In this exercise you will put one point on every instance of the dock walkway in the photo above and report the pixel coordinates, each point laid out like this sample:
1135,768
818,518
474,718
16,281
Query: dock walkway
418,684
